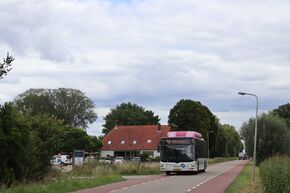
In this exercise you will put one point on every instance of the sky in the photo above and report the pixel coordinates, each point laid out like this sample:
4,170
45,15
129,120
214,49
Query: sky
151,52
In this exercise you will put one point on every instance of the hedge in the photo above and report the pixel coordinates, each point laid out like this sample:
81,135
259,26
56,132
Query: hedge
275,174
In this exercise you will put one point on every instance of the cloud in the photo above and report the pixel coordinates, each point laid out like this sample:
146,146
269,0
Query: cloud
151,52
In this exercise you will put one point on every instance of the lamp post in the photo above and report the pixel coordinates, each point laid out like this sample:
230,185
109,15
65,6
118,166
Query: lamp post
208,143
256,125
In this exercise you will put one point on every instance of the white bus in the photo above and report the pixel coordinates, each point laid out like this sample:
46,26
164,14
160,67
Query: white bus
183,151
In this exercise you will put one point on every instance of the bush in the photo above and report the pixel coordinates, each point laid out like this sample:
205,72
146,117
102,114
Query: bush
96,169
275,174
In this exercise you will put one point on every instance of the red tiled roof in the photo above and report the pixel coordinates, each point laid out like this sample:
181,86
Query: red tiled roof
139,133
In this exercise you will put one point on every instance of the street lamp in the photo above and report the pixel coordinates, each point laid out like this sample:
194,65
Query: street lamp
208,143
256,125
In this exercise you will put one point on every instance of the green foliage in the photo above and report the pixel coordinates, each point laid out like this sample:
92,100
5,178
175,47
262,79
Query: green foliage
220,159
95,143
69,105
188,115
144,156
28,143
73,138
275,174
64,185
283,111
14,141
95,169
272,137
139,168
228,141
244,182
129,114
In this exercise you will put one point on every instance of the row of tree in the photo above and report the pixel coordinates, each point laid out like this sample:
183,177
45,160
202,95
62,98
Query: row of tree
41,122
186,115
273,135
74,109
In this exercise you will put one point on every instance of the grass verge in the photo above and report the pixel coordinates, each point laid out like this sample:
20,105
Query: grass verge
244,182
63,186
221,159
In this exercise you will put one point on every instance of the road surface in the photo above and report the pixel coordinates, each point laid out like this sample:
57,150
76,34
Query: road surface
214,180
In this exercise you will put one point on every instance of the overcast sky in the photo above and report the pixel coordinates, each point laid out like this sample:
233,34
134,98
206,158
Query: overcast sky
151,52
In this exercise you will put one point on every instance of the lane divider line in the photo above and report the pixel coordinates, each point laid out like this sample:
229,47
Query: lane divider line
211,178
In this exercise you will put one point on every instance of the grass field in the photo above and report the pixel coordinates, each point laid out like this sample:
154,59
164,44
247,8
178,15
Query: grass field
63,186
89,175
244,182
220,159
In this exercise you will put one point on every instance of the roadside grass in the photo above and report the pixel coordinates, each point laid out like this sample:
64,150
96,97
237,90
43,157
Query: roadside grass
244,182
220,159
63,185
89,175
127,168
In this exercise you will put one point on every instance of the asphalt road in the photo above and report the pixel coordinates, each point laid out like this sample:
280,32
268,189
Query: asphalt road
174,183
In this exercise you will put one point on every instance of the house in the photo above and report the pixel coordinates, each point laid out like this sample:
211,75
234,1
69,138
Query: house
131,141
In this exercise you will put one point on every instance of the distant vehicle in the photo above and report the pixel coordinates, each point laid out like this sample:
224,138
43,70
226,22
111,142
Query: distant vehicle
62,160
183,151
105,160
136,159
243,156
119,160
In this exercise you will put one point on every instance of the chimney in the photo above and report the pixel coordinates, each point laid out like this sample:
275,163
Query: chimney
159,127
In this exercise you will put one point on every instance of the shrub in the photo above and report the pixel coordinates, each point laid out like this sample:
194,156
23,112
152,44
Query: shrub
275,174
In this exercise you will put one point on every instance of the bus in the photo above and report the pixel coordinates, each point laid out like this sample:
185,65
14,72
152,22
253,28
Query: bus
183,151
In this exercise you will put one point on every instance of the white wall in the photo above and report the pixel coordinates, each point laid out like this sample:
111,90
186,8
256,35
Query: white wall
107,153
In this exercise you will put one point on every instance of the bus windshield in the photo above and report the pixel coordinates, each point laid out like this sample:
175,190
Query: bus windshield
177,150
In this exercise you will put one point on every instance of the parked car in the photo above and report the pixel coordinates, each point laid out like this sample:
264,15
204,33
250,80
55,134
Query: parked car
62,160
105,160
119,160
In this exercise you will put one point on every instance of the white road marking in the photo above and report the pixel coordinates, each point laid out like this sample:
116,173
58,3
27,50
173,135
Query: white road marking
212,178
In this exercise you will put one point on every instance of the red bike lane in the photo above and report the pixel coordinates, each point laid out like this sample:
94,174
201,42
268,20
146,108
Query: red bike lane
219,183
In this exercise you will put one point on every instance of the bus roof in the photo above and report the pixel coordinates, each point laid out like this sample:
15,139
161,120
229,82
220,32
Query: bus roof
193,134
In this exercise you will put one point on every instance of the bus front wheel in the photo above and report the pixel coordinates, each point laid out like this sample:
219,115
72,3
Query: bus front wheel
167,173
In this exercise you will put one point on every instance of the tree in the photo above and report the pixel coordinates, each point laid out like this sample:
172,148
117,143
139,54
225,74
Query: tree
283,111
28,142
69,105
129,114
188,115
233,143
27,145
14,141
5,67
272,137
95,143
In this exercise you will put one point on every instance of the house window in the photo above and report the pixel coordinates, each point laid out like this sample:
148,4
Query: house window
134,142
109,142
123,142
149,141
